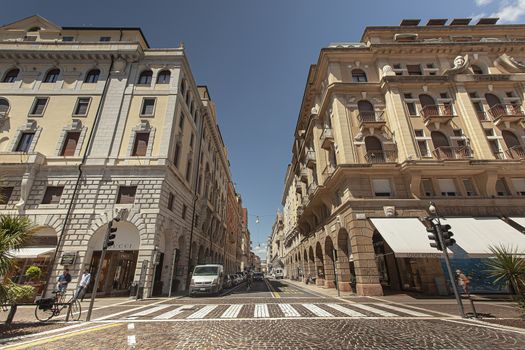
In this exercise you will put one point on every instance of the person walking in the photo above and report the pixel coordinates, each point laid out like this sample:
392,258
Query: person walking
463,281
83,284
63,281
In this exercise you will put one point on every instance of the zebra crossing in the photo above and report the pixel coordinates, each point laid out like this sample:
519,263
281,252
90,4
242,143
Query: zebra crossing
165,312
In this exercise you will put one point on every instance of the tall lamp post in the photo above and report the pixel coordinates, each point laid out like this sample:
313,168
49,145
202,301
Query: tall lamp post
436,226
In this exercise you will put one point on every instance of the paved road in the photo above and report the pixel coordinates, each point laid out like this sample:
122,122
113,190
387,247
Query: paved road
277,315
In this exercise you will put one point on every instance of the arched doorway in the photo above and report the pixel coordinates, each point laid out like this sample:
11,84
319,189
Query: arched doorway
118,267
345,262
329,263
319,264
374,150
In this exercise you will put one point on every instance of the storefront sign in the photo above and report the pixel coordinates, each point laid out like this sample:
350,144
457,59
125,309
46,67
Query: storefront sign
68,258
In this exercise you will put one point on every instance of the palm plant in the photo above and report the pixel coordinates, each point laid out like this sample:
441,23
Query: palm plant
507,265
14,231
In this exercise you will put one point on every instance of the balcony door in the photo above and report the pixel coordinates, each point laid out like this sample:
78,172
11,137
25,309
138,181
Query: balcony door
428,105
374,150
510,139
441,144
366,110
495,106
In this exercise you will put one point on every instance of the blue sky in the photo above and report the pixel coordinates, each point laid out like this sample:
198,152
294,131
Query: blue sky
254,57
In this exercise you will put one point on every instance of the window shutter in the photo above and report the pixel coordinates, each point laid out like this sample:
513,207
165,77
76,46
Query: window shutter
70,144
141,144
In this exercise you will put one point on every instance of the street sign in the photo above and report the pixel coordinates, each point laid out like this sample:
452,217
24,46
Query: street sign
68,258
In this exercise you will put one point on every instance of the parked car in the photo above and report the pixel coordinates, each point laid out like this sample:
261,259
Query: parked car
258,276
206,279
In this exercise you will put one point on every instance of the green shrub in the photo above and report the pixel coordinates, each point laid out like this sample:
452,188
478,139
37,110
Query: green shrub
17,293
33,273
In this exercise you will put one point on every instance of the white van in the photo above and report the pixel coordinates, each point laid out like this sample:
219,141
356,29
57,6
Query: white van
278,273
207,279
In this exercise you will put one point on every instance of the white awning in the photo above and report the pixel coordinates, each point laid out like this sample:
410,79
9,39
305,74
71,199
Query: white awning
519,221
31,253
407,237
474,236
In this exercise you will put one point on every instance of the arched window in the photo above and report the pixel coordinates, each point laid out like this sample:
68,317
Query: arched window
511,140
496,109
145,77
374,150
366,110
439,139
358,76
11,75
428,105
52,75
4,107
476,69
164,77
92,76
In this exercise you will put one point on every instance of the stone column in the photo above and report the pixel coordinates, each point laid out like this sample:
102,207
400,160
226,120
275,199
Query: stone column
343,272
329,281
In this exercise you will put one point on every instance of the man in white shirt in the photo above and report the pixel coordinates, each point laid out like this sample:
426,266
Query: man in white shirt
82,285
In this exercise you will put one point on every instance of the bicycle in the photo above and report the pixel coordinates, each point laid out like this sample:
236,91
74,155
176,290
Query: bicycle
48,308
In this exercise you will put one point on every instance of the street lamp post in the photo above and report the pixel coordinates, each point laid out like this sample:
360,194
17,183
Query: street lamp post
434,215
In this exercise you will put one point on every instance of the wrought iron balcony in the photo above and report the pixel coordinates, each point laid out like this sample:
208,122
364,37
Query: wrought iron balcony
371,119
516,152
437,114
507,113
327,139
310,159
378,157
453,152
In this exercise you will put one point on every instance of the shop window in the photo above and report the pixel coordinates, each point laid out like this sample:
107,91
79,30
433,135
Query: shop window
126,194
5,194
39,106
92,76
501,188
447,187
519,186
148,107
470,188
140,145
52,195
184,210
381,187
171,199
427,188
82,107
70,144
26,138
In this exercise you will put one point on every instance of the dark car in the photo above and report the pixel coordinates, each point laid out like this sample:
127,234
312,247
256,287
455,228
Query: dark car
258,276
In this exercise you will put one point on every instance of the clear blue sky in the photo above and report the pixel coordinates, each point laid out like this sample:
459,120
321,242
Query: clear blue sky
254,57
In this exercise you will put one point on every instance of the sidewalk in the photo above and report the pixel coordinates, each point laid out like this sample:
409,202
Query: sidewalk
329,292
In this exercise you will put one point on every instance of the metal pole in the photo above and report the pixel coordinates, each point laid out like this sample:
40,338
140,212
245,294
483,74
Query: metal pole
335,274
172,270
97,276
449,269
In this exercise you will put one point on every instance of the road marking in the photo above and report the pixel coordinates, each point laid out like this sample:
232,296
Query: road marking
404,310
317,310
150,311
132,341
203,312
374,310
346,310
53,338
172,313
289,311
274,293
131,326
232,311
261,311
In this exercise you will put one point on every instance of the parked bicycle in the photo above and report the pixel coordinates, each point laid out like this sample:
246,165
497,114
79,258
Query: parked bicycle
48,308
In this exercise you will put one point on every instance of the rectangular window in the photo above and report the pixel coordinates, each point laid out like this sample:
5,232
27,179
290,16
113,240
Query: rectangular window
176,157
25,141
457,132
126,194
5,194
148,107
191,140
82,107
188,170
184,209
470,188
105,38
70,144
489,132
423,148
501,187
519,186
411,107
427,188
39,105
67,38
381,187
419,133
496,150
52,195
171,198
140,146
414,69
181,122
447,187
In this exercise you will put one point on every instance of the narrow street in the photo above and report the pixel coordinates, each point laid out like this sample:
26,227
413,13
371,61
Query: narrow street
276,314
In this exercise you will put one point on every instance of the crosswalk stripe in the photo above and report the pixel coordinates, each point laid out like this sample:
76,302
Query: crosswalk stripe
346,310
232,311
317,310
203,312
374,310
261,311
401,309
174,312
289,311
150,311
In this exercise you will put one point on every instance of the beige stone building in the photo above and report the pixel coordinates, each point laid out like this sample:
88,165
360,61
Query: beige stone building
94,123
409,114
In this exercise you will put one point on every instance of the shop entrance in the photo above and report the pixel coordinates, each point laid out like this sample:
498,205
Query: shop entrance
116,275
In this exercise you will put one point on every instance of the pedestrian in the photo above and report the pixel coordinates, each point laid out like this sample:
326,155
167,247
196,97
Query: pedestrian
463,281
83,284
63,281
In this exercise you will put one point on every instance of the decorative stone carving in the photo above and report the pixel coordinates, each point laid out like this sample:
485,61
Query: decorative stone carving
359,136
314,110
510,64
461,64
119,66
388,71
390,211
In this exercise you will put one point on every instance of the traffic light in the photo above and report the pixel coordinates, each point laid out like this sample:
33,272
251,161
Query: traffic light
433,236
111,235
447,235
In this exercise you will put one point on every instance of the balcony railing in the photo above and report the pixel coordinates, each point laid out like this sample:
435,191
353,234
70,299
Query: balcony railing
453,152
442,113
310,159
378,157
327,139
508,113
371,119
516,152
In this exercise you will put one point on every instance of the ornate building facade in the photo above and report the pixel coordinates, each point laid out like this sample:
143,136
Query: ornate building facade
410,114
95,124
